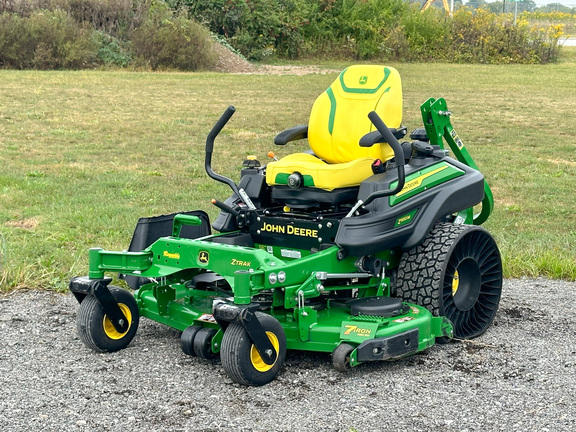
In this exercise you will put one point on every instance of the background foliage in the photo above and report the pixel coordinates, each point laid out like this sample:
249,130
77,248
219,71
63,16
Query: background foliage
71,34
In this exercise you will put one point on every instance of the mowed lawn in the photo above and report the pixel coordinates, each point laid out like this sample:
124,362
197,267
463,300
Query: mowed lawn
84,154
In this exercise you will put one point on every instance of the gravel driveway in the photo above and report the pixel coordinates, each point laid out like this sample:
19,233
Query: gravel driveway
519,376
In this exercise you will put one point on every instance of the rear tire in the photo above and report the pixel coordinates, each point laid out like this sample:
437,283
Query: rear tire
457,273
95,328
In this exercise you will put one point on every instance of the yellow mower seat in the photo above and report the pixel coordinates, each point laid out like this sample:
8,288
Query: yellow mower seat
338,119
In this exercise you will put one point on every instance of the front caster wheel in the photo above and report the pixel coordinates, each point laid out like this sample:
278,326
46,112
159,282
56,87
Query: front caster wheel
341,357
95,328
240,358
187,339
203,343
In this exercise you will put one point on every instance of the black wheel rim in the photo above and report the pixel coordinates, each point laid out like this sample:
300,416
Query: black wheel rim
472,284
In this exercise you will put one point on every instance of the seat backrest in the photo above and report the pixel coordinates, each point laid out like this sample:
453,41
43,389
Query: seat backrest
339,116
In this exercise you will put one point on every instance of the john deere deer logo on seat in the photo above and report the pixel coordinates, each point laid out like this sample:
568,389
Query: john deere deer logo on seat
363,79
203,257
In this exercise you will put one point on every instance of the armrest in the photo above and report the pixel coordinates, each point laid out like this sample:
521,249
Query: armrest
375,137
292,134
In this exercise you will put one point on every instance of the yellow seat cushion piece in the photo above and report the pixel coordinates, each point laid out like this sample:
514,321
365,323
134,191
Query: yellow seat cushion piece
338,119
317,173
339,116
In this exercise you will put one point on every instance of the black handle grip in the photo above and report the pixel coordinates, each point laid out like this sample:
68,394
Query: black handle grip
218,127
388,137
225,207
398,158
210,146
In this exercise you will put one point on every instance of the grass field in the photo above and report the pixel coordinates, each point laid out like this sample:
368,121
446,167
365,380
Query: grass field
84,154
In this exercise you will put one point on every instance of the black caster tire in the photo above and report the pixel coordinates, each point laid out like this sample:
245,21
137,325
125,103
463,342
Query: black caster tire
187,340
240,358
203,343
457,273
95,328
341,357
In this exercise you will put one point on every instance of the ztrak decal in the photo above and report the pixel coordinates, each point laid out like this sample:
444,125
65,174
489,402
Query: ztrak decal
236,262
406,219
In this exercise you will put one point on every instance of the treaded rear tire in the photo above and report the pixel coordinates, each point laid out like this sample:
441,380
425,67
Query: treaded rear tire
92,326
457,273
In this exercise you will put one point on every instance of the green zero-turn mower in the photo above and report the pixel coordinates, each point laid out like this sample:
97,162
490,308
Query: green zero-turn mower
363,247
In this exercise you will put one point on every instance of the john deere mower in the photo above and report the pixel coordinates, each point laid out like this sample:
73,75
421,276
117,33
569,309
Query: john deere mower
364,247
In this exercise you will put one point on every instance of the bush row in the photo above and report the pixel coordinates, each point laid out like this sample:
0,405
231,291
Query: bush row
87,34
372,29
170,33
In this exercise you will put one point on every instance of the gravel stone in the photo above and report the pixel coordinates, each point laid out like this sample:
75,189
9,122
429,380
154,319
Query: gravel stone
519,375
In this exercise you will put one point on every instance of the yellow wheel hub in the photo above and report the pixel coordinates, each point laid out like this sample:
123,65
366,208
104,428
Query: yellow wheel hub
109,329
256,359
455,283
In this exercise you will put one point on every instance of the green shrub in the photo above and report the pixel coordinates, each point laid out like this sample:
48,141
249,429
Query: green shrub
484,37
112,51
256,28
45,40
117,18
164,41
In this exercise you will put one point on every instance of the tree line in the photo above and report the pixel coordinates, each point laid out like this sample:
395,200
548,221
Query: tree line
180,34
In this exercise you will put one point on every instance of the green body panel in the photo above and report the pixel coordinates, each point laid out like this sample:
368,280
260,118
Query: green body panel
436,118
424,179
101,261
180,220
